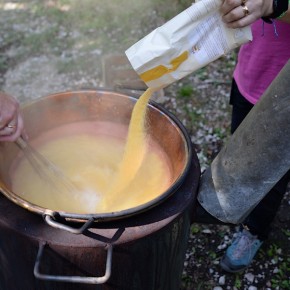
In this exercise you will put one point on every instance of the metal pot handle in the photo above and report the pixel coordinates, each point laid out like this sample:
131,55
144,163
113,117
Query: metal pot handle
50,221
74,279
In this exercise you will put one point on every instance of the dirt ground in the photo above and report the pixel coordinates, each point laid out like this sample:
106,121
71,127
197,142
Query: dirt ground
54,46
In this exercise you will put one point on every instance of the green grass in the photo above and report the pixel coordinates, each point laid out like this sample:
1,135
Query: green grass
194,229
186,92
281,278
93,19
238,281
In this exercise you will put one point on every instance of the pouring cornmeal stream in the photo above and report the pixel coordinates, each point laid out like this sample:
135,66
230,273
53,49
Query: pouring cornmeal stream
135,149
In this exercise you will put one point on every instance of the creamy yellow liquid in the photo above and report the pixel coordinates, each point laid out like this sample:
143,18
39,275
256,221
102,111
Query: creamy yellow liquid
91,162
110,173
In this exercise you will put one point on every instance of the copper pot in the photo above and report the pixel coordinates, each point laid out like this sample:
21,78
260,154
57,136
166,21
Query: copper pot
64,108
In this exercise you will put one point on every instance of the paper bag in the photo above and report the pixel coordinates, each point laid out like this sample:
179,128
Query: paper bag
189,41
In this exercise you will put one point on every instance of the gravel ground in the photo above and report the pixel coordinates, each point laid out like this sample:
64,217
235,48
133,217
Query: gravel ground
207,242
43,50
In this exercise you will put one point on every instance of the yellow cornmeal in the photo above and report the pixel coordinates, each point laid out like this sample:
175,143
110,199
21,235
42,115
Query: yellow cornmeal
110,174
134,152
91,162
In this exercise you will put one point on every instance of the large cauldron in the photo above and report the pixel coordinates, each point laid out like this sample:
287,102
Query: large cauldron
149,247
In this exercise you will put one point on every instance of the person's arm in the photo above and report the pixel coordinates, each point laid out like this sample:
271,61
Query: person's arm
240,13
11,122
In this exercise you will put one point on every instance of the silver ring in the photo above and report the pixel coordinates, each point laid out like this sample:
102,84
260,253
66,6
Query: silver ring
245,9
11,126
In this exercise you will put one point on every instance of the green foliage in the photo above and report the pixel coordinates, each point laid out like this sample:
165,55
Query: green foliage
202,73
238,281
186,281
212,255
194,229
220,133
186,91
282,278
56,26
286,232
272,251
193,114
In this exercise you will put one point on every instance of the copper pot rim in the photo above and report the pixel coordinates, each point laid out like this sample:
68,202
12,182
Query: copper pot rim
114,215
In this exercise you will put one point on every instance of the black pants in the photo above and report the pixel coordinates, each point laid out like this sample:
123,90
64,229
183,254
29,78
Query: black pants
259,220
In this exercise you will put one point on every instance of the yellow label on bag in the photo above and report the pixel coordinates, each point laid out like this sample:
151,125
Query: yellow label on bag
160,70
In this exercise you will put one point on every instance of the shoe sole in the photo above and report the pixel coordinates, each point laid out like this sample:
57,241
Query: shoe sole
226,268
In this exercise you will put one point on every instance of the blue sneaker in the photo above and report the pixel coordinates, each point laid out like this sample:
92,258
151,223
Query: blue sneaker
241,252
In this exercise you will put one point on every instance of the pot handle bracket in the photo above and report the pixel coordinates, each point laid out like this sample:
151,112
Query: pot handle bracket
52,222
74,279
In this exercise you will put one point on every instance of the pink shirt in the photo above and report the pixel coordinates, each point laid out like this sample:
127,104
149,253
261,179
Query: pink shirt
261,60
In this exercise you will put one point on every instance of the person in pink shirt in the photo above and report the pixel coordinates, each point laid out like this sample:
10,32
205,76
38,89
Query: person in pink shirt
259,62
